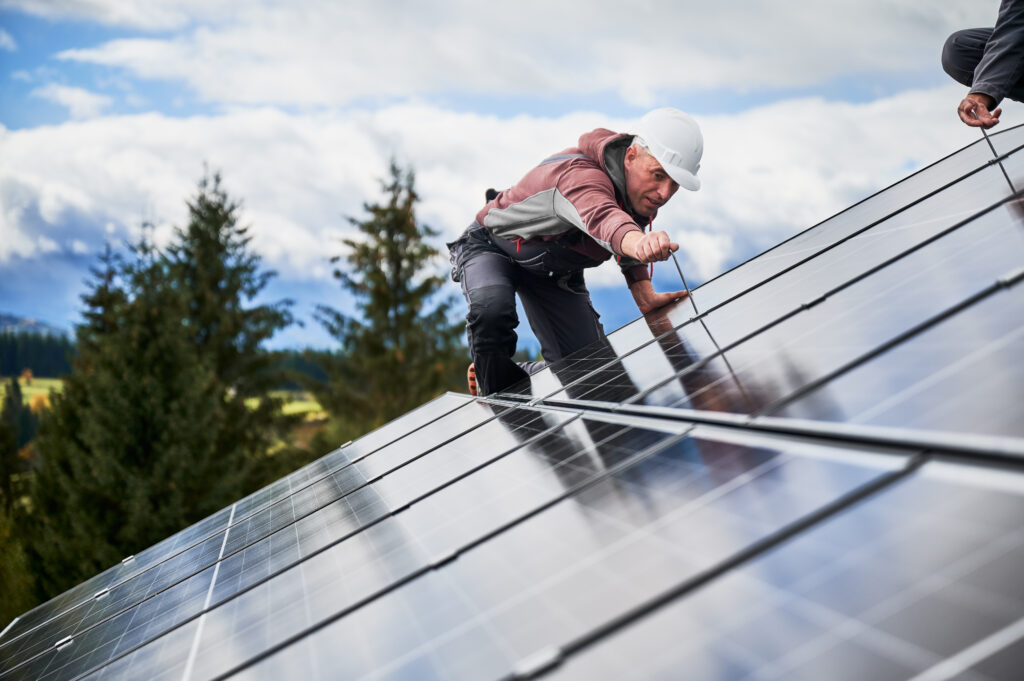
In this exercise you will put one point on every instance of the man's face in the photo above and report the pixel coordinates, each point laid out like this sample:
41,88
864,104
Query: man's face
648,186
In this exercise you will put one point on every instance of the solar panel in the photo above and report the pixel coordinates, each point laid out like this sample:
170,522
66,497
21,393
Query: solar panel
922,580
810,469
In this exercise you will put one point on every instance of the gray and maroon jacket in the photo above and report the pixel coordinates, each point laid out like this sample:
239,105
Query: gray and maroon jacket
573,207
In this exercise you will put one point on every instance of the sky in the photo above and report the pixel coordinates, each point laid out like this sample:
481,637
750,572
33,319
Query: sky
111,110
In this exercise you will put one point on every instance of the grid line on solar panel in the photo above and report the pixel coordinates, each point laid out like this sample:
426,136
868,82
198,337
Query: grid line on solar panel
187,675
751,552
1003,281
43,647
640,456
84,592
261,506
404,506
962,662
931,382
937,592
1000,450
1000,284
565,366
669,433
668,543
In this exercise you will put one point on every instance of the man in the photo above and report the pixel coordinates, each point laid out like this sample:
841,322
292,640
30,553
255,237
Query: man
991,62
575,210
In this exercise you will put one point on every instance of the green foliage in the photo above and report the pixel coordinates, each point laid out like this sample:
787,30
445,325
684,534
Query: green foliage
17,427
44,354
300,367
16,412
404,350
152,431
16,579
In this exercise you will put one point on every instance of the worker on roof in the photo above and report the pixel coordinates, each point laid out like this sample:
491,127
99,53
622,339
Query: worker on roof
575,210
990,61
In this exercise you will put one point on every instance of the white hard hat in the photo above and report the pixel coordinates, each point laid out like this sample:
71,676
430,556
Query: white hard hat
675,141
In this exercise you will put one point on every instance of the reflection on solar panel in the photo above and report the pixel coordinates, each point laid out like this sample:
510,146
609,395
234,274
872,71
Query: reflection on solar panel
812,469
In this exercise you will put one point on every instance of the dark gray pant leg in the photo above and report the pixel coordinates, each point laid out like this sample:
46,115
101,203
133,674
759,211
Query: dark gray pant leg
489,283
560,313
564,320
961,54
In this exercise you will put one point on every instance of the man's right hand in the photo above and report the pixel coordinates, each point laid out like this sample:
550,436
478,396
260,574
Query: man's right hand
649,247
978,104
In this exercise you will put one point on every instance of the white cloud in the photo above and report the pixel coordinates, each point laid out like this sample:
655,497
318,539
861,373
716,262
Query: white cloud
708,251
78,247
768,173
319,52
80,103
7,42
143,14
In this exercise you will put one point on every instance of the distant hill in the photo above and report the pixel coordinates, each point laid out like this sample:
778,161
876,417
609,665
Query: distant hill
12,324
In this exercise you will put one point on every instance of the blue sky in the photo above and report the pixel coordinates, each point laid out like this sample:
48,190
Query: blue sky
110,109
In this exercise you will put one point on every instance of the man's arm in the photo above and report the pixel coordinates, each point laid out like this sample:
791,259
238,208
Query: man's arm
649,247
1001,66
648,299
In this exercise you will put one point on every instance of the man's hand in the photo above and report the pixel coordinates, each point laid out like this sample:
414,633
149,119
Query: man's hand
648,299
978,103
650,247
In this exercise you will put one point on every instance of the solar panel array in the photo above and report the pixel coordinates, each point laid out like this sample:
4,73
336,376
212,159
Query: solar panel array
811,469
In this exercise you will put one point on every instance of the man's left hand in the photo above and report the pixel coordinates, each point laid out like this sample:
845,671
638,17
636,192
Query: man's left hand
976,110
648,299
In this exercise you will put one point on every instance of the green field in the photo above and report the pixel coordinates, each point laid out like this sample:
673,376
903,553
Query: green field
295,401
38,386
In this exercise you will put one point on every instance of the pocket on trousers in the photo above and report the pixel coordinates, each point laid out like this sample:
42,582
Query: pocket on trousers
537,264
454,251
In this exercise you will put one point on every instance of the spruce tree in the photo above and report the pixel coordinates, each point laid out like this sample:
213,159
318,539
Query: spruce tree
403,349
212,262
152,432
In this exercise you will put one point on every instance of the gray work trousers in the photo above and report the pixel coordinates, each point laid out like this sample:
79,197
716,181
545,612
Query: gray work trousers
962,53
557,306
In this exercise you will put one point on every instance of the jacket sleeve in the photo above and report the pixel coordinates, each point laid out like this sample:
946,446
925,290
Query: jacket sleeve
1002,65
634,271
590,192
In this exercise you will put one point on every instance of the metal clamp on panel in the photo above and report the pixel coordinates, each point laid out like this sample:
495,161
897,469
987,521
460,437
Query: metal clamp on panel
101,593
128,559
63,643
1011,278
812,303
540,661
442,558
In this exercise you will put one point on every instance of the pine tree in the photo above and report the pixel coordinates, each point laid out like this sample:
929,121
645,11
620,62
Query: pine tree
152,432
404,349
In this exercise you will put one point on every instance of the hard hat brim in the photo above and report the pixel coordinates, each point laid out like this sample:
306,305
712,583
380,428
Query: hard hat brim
683,177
